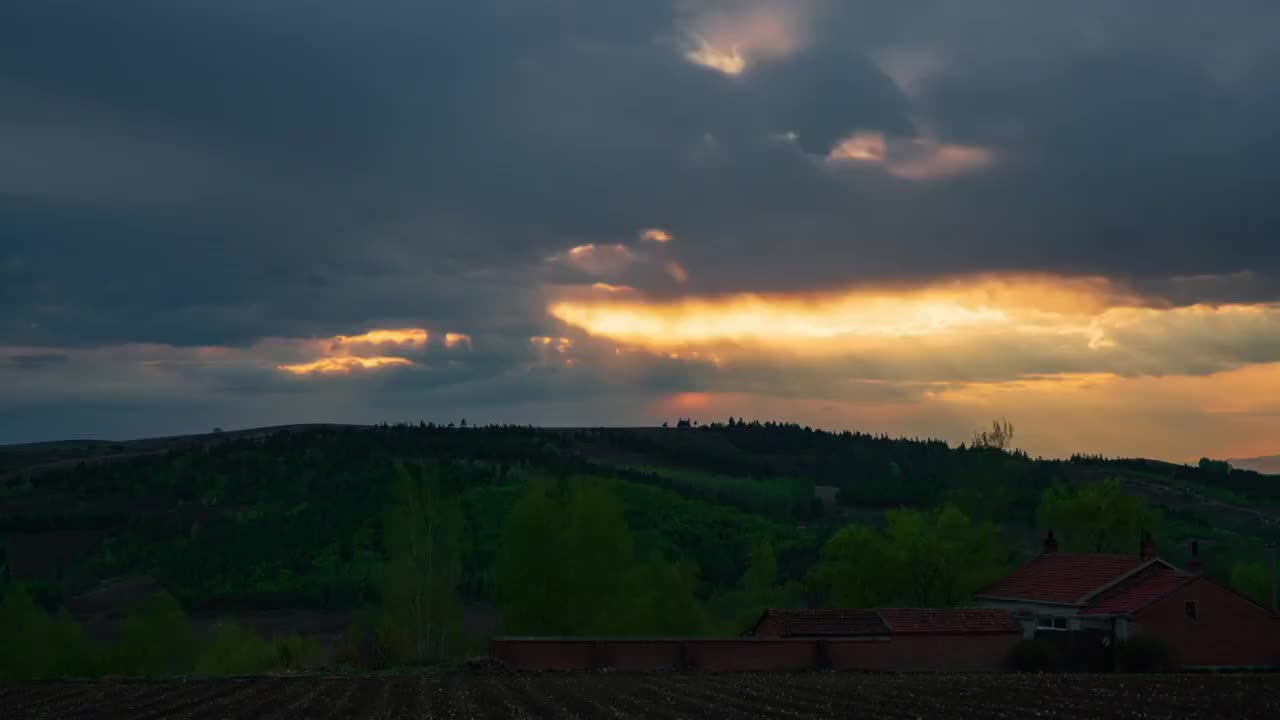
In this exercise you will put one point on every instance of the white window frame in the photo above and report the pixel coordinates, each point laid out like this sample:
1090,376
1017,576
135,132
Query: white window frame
1052,622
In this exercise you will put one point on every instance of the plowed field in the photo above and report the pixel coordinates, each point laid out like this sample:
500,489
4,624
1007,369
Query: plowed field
617,695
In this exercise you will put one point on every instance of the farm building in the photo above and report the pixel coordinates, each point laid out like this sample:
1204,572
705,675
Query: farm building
1101,600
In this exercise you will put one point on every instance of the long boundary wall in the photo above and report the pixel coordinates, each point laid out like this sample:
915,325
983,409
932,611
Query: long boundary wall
900,653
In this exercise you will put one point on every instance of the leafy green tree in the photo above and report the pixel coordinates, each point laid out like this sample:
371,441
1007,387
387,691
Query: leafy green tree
762,569
602,593
669,601
1253,580
530,570
156,639
759,588
233,649
1099,517
35,645
568,566
421,616
851,569
937,558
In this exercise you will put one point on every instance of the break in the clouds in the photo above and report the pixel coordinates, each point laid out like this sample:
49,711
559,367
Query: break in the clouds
898,216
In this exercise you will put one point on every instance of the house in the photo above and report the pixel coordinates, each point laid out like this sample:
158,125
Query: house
1105,599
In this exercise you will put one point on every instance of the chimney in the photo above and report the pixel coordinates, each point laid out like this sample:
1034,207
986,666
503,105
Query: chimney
1195,564
1050,544
1147,548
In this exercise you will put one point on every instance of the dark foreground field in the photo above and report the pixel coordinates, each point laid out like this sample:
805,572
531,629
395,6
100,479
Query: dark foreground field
812,695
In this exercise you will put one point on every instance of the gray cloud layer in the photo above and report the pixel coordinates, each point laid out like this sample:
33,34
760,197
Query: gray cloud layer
216,173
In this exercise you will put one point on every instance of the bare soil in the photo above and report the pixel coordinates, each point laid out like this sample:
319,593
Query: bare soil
495,694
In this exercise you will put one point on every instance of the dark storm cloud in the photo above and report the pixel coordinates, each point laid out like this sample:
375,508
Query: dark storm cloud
217,173
34,361
229,160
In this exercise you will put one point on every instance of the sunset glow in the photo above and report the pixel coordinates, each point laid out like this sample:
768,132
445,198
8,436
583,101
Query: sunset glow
558,344
610,288
820,322
343,354
342,365
597,259
402,336
916,159
731,38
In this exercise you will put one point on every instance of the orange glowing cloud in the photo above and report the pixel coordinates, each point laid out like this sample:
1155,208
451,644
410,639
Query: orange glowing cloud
677,272
558,344
597,259
996,327
457,339
344,354
402,336
657,235
824,320
342,365
916,159
609,288
864,146
732,37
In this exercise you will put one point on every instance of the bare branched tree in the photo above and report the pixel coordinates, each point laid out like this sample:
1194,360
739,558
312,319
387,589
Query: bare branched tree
999,437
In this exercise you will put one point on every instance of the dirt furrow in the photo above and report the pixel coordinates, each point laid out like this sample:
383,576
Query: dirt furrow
324,693
626,695
102,699
498,698
261,699
765,692
46,694
403,699
203,694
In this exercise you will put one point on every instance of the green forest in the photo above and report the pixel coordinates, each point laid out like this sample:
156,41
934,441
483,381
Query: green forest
688,531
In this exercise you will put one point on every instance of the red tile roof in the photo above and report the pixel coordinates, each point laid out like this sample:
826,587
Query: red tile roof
1066,578
949,621
833,623
1138,592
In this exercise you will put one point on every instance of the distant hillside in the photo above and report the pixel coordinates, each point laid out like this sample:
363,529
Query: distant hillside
290,518
1269,465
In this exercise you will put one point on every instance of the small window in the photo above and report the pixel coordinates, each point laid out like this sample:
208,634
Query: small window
1052,623
1192,610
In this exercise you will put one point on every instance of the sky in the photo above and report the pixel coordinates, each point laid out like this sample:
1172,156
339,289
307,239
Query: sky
905,217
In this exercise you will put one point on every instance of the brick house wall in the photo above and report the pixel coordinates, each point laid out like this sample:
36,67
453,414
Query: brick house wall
1228,630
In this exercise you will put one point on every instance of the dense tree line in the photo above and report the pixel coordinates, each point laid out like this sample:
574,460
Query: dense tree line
567,532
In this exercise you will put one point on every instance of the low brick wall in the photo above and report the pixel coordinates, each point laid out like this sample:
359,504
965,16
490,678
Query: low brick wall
754,654
546,654
902,653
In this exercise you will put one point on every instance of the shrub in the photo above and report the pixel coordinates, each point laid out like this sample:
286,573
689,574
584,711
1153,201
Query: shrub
1036,656
295,652
233,649
1148,653
156,640
35,644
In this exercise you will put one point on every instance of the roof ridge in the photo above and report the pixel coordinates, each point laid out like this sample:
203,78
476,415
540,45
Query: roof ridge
1133,572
